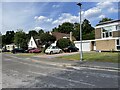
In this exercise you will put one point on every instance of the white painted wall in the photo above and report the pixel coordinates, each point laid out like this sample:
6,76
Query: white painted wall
31,43
85,45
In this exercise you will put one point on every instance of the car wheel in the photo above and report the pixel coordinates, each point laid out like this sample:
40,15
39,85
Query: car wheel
60,51
51,52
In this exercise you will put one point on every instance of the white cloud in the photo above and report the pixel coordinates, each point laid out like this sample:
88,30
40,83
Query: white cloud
38,28
113,10
42,19
91,13
105,4
66,17
101,16
56,6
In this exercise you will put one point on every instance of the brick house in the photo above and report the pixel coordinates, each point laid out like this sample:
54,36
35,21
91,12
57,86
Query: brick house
107,36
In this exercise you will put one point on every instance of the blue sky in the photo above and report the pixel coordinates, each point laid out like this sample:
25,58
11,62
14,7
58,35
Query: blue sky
47,15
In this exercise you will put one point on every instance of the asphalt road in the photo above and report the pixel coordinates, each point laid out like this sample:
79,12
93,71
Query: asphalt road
27,72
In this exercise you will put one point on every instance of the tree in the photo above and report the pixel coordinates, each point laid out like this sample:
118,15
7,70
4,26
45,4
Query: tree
40,31
105,19
66,27
21,39
8,38
87,30
62,43
33,33
76,32
46,37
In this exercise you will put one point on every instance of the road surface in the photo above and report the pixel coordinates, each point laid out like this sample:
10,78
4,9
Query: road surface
31,72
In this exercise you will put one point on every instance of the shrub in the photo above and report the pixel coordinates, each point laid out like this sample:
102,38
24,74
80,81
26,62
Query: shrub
62,43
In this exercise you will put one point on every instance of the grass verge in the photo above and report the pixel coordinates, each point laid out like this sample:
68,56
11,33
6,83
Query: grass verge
95,56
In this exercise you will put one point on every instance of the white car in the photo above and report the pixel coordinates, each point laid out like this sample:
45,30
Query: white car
53,49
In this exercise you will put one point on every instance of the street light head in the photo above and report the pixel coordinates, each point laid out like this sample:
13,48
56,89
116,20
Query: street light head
79,4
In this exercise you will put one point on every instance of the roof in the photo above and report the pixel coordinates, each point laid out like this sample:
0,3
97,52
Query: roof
107,22
59,35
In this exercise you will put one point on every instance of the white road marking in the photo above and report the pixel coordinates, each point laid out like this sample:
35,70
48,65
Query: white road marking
70,80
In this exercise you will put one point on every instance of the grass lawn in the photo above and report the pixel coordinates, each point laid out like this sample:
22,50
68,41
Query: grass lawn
95,56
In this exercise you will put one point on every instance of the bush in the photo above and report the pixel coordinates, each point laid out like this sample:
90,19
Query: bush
62,43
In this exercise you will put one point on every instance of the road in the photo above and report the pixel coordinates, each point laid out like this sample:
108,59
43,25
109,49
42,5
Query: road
32,72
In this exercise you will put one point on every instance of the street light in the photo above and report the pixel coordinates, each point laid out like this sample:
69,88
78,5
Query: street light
81,53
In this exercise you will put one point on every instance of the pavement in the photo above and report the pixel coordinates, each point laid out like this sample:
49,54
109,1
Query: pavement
37,72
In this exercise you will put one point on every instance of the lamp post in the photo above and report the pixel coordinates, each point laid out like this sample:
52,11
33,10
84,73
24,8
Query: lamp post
81,53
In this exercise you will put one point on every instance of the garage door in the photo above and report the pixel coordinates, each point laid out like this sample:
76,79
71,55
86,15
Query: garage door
85,46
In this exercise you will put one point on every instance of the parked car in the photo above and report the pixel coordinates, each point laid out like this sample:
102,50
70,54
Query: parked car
5,50
27,51
71,49
18,50
36,50
53,49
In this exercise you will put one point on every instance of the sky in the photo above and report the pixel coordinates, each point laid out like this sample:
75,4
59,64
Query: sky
47,15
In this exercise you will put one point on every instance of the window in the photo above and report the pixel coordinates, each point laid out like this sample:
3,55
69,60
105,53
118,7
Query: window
110,33
118,27
31,43
107,32
118,44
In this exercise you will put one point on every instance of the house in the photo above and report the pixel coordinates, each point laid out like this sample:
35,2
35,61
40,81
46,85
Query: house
10,47
34,43
59,35
107,36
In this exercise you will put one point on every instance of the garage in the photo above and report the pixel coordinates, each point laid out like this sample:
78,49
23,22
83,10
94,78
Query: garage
86,45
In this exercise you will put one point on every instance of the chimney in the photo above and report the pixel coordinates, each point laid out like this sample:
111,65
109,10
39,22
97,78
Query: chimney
71,36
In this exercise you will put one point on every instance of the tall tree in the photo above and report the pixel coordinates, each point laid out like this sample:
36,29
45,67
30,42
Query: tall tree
46,37
8,38
33,33
66,27
20,39
87,30
105,19
41,31
76,32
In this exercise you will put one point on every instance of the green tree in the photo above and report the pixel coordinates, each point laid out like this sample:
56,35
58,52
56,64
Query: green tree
66,27
46,37
21,39
62,43
87,30
105,19
8,38
41,31
33,33
76,32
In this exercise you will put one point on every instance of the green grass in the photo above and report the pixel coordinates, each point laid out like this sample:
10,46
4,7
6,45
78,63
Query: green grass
95,56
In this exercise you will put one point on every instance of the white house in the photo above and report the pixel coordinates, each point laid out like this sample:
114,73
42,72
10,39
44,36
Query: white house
32,43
